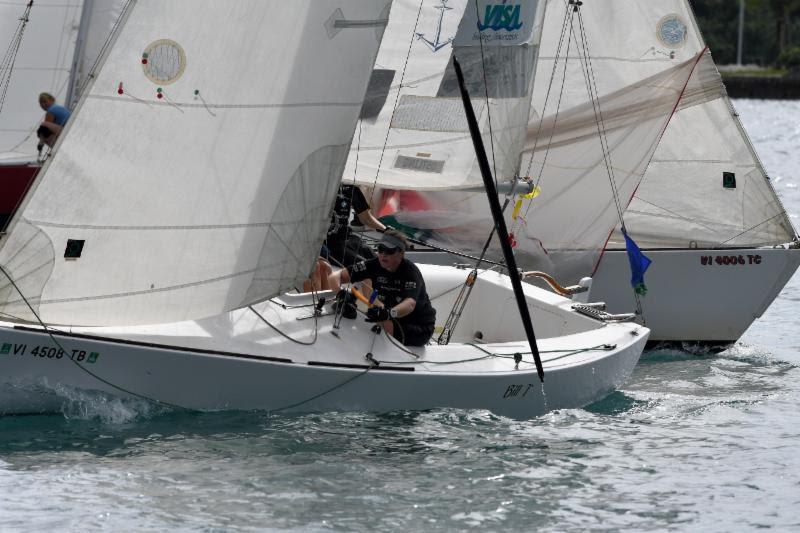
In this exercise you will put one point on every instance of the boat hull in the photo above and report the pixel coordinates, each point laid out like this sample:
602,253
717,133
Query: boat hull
15,179
694,297
218,381
698,296
236,362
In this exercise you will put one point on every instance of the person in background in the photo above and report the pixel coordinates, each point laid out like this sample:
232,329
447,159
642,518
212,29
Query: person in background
55,118
344,248
402,307
341,247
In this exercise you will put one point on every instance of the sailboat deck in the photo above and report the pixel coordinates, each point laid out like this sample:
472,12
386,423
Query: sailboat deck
286,330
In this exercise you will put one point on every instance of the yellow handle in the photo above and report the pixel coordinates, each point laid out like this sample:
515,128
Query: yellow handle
357,294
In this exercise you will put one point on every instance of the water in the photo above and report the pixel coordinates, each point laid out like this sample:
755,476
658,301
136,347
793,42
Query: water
692,443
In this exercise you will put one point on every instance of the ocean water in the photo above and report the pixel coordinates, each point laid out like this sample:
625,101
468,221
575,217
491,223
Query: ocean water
691,443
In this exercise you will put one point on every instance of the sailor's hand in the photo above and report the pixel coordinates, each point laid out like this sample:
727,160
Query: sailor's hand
377,314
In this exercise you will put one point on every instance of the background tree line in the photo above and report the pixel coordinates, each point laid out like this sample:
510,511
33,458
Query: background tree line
771,31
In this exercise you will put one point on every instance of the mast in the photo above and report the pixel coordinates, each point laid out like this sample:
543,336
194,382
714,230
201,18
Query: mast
497,215
80,50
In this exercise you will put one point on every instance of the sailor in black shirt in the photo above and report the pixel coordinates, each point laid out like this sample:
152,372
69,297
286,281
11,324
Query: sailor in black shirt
343,248
402,308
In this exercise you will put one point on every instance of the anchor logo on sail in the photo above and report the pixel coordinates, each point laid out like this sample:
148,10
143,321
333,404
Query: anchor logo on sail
437,44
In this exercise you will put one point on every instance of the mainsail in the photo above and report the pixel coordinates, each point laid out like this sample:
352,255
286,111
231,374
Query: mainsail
198,172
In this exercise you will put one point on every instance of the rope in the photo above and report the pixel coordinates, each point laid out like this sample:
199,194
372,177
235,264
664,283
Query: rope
284,335
490,354
551,281
601,130
10,57
566,23
321,394
397,98
93,70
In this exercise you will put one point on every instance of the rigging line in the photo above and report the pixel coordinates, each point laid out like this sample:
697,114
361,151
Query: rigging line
567,23
550,86
449,251
10,57
460,302
348,229
93,70
323,393
397,98
489,354
594,97
486,93
49,332
284,335
61,51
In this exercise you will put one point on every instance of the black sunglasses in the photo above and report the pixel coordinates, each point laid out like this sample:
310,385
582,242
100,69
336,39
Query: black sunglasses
386,250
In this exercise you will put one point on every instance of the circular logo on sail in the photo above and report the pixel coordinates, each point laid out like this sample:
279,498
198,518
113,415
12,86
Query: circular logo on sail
672,31
164,61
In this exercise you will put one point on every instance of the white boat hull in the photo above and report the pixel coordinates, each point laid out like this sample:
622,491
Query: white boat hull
692,299
237,362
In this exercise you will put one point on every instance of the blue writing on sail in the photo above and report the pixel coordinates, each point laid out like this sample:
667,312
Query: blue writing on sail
501,17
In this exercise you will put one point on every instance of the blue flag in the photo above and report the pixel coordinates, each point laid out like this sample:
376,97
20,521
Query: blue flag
639,264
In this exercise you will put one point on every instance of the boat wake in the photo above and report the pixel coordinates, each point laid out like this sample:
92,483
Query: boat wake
74,404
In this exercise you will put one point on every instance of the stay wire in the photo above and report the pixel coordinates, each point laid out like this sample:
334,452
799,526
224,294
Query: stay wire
10,57
62,50
103,49
388,129
567,24
397,98
564,26
594,97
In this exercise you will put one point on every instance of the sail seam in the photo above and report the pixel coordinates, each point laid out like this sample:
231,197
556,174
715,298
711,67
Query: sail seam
139,293
226,106
162,228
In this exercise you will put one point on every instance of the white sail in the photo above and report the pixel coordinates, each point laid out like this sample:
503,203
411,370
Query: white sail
413,133
98,19
42,65
685,200
640,65
62,42
198,172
